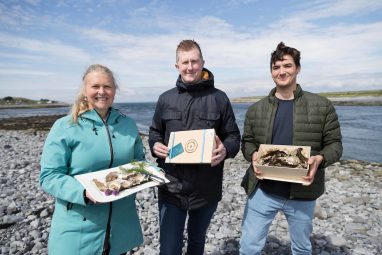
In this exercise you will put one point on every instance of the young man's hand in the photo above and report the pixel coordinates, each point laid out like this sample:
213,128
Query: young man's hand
257,171
314,162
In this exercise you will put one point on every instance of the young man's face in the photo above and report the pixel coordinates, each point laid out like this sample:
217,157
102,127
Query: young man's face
190,65
284,72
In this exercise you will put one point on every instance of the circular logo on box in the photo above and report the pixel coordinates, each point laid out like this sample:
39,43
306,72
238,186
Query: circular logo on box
191,145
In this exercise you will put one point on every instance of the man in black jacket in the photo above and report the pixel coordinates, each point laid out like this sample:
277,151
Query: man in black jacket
195,189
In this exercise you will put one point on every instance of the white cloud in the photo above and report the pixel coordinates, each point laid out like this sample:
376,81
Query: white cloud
140,47
51,47
327,8
12,72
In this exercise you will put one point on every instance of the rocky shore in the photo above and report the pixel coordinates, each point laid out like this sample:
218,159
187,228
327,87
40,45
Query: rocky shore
348,217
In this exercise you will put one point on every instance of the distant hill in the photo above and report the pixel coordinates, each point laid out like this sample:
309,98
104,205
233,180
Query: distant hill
20,102
337,97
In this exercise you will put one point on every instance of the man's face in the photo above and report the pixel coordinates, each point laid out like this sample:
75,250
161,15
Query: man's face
190,65
284,72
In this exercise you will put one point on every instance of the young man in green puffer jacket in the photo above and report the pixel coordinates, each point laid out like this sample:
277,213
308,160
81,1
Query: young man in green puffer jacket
288,116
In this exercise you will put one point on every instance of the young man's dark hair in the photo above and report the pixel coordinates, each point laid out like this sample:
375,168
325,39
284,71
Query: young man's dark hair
283,50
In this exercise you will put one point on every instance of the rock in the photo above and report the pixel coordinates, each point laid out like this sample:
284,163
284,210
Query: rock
320,212
337,241
11,219
12,208
355,227
44,213
35,223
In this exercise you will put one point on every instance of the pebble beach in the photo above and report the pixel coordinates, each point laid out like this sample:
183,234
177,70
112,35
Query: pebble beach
348,217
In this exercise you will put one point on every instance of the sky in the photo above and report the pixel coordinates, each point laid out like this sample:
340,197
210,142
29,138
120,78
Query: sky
46,45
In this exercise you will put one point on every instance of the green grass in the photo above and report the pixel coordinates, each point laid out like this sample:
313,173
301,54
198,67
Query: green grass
29,103
362,93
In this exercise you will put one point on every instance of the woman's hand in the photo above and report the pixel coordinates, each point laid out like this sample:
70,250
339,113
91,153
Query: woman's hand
89,196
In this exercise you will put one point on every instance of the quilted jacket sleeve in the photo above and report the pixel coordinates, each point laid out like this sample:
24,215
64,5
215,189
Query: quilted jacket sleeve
248,142
331,142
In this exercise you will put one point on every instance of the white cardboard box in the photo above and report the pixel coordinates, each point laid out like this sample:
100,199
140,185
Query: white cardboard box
191,147
280,173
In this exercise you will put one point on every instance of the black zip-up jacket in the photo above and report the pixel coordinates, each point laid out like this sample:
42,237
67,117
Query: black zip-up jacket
190,107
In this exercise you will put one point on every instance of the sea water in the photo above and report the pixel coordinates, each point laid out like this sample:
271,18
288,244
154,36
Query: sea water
361,126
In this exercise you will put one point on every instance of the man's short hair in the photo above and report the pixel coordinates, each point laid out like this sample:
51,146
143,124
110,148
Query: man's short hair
281,51
187,45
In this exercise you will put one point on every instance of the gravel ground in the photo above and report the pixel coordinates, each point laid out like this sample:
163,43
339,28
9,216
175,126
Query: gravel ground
348,217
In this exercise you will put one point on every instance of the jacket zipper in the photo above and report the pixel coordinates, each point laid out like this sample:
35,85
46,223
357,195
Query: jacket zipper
106,243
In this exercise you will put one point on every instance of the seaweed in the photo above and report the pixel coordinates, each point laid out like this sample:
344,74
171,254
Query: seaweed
139,167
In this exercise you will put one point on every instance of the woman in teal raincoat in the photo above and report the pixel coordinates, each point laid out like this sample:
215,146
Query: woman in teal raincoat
94,137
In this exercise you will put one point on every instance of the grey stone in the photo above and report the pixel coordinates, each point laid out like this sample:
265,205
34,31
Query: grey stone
35,223
350,208
337,241
11,208
44,213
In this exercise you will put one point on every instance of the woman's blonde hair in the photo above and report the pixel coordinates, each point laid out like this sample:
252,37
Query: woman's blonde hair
81,104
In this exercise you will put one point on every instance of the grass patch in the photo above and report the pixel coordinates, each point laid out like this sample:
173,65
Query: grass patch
350,94
374,93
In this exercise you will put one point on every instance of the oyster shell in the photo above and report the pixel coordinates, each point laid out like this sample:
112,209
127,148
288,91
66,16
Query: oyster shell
117,181
284,158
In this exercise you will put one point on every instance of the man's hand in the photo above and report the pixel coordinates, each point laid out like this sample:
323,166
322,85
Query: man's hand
219,154
314,162
257,171
160,150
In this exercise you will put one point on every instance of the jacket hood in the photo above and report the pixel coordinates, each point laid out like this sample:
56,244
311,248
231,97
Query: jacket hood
207,81
297,93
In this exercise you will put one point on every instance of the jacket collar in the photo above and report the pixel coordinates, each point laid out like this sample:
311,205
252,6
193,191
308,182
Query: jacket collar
201,85
113,115
297,93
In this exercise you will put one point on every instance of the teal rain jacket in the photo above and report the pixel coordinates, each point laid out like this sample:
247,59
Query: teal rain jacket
76,148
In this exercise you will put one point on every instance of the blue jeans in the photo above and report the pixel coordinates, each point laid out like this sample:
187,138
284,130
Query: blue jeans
261,209
172,221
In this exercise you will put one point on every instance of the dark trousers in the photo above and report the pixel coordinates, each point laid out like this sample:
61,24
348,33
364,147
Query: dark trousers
172,221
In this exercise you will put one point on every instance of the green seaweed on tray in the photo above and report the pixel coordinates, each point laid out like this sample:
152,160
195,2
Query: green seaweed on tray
139,167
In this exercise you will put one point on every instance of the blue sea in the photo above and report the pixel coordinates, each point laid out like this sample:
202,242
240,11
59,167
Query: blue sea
361,126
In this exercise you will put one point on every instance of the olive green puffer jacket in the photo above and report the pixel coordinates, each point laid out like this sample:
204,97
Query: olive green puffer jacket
315,124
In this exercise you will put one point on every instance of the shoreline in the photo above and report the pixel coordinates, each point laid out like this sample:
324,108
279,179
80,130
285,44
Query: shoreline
33,106
35,124
340,101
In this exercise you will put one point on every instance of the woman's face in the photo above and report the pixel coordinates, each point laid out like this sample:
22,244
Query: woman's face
99,91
